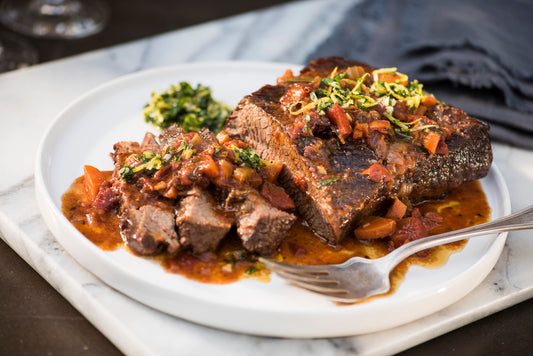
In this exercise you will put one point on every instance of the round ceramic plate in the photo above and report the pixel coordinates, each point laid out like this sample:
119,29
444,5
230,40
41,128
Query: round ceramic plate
84,133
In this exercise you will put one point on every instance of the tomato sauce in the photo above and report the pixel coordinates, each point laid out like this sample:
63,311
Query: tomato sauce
465,206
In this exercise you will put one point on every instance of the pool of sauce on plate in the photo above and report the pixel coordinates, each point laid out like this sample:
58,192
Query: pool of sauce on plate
465,206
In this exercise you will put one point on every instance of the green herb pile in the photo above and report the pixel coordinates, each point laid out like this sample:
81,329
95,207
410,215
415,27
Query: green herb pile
192,108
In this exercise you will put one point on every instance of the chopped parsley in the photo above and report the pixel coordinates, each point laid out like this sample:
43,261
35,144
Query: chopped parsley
388,87
151,161
192,108
248,157
327,182
185,150
126,173
252,270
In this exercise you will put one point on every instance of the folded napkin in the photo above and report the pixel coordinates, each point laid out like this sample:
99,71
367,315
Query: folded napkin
477,54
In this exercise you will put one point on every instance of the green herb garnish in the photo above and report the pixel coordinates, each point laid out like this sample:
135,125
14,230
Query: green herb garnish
192,108
252,270
185,150
248,157
126,173
333,90
327,182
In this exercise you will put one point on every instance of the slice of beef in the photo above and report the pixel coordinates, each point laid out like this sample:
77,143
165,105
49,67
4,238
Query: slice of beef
325,178
147,224
260,226
200,224
149,230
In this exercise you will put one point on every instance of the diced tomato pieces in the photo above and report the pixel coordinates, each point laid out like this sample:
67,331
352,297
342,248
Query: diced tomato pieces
288,74
276,196
208,167
360,130
397,210
225,168
248,175
223,137
176,143
382,126
429,101
236,143
271,171
296,92
93,179
392,77
192,138
375,228
377,173
338,116
431,141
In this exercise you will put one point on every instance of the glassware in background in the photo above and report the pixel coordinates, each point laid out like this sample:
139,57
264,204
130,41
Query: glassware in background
15,52
59,19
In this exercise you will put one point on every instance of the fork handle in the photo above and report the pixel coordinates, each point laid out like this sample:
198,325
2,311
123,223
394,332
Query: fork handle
520,220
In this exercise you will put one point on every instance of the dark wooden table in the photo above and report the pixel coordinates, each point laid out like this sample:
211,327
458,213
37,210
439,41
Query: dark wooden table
37,320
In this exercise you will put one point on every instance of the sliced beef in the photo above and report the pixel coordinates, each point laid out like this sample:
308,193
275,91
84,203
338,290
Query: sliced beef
260,226
200,224
149,230
176,205
329,181
147,223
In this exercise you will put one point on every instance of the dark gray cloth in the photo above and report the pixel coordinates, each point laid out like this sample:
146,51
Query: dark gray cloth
477,54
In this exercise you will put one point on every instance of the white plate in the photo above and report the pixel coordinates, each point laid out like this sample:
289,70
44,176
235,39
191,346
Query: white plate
84,133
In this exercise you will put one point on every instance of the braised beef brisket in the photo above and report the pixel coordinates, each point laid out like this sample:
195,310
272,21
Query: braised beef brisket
334,178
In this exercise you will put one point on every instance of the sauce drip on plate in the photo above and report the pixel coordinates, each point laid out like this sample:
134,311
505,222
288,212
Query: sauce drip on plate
463,207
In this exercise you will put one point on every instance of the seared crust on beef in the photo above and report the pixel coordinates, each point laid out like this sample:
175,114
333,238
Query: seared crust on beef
333,210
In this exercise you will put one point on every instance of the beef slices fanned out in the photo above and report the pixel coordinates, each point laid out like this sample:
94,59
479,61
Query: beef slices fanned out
173,193
345,160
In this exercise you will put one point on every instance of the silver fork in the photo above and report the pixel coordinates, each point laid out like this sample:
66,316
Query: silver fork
359,278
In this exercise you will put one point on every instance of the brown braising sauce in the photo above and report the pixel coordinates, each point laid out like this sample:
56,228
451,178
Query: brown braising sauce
465,206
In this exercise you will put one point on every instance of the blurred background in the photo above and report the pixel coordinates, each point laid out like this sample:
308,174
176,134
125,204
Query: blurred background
131,20
57,328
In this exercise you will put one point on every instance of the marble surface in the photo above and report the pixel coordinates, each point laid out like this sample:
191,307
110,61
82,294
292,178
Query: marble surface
32,97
